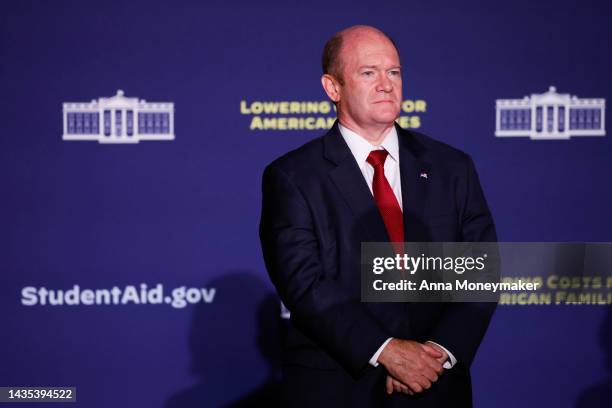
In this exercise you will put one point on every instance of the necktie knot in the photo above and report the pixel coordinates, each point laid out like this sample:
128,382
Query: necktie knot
377,157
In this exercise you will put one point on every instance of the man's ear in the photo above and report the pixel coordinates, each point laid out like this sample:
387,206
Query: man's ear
331,87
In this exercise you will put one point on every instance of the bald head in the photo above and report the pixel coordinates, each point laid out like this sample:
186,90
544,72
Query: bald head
332,59
362,77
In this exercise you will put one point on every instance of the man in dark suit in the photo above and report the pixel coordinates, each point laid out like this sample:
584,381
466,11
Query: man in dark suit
368,180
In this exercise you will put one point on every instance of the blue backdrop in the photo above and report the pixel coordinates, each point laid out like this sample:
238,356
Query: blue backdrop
185,212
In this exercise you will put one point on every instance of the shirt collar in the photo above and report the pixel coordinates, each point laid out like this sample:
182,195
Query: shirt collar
361,148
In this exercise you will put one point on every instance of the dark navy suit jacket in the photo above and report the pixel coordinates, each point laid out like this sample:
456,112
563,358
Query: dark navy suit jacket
317,209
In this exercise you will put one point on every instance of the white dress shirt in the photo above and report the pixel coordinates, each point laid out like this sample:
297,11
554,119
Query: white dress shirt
361,148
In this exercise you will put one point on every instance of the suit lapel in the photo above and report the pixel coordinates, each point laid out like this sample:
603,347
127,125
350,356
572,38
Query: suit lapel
414,174
353,188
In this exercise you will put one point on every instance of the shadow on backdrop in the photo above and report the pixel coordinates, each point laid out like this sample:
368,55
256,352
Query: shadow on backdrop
600,395
244,316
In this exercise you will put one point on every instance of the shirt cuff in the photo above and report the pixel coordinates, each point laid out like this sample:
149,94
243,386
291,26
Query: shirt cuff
374,359
450,363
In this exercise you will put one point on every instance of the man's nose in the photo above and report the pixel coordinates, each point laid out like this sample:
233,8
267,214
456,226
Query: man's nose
384,84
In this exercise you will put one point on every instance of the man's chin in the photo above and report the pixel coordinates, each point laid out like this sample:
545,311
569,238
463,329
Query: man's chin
386,118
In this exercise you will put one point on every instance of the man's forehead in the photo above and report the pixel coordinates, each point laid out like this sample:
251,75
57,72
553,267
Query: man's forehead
361,42
370,51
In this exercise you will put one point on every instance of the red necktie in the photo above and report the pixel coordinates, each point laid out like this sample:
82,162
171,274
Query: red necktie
385,198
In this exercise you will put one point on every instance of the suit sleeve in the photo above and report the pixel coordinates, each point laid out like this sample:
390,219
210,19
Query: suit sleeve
463,325
335,320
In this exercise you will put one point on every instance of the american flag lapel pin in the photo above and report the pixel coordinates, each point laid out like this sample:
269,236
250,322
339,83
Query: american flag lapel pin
423,175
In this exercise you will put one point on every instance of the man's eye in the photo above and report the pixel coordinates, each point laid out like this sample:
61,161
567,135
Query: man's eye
394,73
367,73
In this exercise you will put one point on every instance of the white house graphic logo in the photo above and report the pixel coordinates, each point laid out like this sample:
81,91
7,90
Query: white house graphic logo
118,119
550,116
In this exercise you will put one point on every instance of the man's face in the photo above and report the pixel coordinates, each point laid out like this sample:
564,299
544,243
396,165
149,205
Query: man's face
372,91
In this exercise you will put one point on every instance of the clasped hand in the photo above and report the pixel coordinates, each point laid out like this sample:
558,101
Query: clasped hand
412,367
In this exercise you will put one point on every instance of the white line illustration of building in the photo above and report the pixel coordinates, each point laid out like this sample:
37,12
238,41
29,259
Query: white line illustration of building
118,119
550,116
